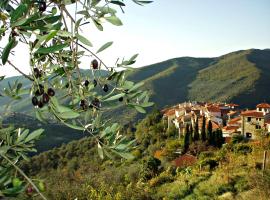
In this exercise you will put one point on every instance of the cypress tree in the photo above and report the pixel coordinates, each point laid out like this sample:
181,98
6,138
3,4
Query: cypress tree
219,138
190,133
196,131
186,138
203,133
210,132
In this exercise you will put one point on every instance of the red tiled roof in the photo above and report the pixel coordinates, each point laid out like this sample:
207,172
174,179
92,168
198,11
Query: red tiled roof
170,112
229,128
252,113
213,109
232,112
263,105
215,125
234,120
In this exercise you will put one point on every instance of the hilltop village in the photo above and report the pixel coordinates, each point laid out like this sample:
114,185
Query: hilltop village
226,117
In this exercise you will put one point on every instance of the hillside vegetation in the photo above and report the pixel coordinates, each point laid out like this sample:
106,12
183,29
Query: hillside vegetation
230,172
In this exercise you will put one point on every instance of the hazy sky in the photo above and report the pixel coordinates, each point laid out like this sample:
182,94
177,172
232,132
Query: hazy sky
175,28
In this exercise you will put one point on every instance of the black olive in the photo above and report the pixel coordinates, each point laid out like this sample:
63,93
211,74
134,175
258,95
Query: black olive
86,83
105,88
51,92
40,90
40,104
45,98
121,99
42,6
35,101
94,83
83,104
94,64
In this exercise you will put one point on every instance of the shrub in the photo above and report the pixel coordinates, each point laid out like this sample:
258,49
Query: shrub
242,149
225,188
164,177
209,162
238,139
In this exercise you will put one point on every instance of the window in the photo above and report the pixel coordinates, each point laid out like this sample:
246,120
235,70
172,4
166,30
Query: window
248,135
249,119
258,127
260,119
260,109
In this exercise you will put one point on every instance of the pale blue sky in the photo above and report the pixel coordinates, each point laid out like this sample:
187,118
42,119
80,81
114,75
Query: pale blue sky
175,28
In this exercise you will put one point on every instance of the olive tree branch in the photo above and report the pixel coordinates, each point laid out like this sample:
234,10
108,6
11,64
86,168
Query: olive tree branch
18,70
24,175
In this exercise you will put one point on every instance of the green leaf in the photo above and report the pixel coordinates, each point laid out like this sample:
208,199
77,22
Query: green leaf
100,151
22,136
136,86
147,104
127,156
7,50
68,115
64,34
41,186
141,3
115,97
140,109
105,46
16,182
16,14
73,126
84,40
34,135
118,3
133,57
4,149
98,25
52,49
94,2
114,20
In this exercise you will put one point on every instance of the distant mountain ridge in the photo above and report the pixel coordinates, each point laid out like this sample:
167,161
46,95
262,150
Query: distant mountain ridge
241,77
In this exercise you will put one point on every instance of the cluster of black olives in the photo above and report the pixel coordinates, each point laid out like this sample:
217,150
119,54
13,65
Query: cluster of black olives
44,96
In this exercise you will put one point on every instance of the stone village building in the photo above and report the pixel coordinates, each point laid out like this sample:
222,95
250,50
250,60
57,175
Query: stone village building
249,123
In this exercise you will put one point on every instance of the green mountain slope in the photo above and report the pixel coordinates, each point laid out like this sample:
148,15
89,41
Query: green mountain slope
241,77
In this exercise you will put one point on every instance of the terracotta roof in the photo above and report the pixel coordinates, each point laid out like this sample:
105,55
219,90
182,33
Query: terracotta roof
213,109
252,113
234,120
215,125
232,112
263,105
170,112
229,128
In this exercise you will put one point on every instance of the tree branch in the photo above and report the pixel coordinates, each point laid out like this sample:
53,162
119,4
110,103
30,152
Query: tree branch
25,176
18,70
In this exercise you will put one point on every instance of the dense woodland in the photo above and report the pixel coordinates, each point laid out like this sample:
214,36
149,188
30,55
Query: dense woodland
221,170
